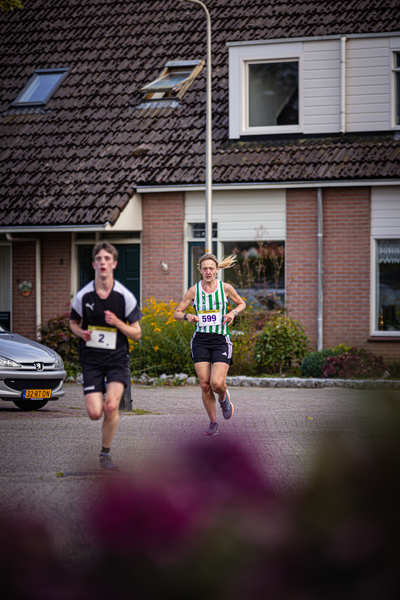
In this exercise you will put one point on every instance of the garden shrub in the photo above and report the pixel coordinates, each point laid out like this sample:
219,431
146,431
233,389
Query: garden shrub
165,343
282,341
244,332
57,334
355,364
313,363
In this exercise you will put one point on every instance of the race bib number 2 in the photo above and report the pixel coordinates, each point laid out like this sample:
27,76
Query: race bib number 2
209,317
102,337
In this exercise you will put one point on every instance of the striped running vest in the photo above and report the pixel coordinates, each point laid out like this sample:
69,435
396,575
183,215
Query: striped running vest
215,301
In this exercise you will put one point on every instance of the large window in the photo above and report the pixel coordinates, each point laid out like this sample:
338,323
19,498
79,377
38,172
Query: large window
273,94
259,275
388,285
396,75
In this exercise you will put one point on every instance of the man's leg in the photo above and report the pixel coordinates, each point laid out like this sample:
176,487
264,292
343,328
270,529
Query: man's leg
94,405
114,391
203,371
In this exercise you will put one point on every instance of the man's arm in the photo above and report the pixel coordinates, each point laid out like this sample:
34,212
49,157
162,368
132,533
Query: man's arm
77,330
132,330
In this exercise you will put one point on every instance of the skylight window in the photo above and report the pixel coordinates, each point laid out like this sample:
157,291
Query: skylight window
173,81
41,87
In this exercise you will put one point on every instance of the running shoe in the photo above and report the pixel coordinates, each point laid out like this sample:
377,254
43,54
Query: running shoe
106,463
227,406
212,429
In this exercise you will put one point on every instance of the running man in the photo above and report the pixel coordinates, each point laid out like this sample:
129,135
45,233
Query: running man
211,344
103,315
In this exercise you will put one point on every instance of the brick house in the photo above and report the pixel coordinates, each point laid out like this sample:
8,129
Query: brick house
102,129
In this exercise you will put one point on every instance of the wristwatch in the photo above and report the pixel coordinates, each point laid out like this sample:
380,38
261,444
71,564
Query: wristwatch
235,311
185,317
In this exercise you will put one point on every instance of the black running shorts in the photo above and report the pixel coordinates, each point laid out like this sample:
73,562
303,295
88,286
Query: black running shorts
97,373
211,347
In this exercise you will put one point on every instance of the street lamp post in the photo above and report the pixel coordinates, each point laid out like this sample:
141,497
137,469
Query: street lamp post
208,219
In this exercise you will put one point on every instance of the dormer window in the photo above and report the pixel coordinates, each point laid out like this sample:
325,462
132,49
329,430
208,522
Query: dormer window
273,94
173,81
41,87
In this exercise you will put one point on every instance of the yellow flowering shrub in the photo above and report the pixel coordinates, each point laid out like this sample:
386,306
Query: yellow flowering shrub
165,343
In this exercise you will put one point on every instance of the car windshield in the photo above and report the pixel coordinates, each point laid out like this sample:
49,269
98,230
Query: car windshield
3,329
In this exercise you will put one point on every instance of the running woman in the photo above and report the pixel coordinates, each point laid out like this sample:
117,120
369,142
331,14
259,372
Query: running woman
104,315
211,344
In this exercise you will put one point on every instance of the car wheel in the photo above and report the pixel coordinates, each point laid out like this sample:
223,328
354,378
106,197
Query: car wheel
30,404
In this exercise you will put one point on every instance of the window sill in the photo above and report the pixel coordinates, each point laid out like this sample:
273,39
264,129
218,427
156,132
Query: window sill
384,338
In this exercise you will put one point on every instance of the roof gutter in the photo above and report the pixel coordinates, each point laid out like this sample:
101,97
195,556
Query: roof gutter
53,228
313,38
151,189
38,276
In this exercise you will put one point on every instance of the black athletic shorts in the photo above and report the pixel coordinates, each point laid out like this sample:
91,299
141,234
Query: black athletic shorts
211,347
97,373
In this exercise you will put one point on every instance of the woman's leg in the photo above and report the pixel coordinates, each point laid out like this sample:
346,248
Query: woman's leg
203,371
219,371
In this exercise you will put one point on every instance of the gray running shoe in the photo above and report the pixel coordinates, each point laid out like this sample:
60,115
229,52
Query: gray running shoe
212,429
106,463
227,406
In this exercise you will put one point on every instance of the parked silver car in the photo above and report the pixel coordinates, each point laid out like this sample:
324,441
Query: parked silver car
30,374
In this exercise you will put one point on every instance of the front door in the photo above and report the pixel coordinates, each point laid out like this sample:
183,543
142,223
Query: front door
127,271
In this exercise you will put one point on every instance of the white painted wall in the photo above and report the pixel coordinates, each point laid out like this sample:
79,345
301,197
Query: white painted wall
240,213
321,86
385,212
368,76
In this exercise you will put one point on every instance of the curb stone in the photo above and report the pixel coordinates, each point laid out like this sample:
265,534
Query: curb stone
297,382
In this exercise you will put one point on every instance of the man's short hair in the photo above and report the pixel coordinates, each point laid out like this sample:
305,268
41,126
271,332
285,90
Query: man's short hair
107,247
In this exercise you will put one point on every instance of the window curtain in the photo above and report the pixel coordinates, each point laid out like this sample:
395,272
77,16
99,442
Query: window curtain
388,251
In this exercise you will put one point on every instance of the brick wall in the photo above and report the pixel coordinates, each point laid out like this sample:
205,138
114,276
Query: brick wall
56,281
162,240
347,221
23,319
56,275
347,267
301,259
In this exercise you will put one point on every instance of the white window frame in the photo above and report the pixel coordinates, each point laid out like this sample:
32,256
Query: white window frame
374,323
239,59
246,112
395,71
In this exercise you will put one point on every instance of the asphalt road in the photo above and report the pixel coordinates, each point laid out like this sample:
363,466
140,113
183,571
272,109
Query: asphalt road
50,457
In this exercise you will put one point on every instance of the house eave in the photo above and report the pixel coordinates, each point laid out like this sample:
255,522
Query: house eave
313,38
54,228
151,189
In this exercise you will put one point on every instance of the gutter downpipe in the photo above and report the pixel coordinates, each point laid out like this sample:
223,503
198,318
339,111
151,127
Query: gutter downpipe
38,274
343,41
320,318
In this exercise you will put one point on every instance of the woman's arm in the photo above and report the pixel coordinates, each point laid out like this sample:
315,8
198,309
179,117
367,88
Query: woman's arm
179,314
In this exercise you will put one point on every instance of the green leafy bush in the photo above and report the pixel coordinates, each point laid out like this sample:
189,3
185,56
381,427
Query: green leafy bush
165,343
313,364
57,334
244,333
282,341
355,364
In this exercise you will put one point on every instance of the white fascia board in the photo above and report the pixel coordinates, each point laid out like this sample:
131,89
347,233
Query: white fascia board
313,38
266,186
54,228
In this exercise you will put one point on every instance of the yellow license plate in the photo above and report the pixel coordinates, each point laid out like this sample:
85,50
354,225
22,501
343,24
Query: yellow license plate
36,394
